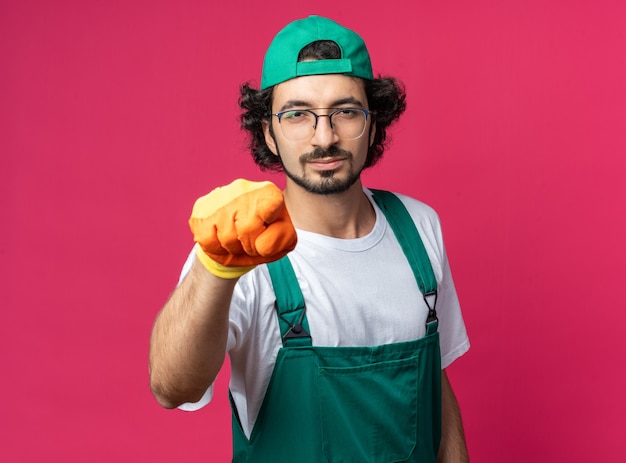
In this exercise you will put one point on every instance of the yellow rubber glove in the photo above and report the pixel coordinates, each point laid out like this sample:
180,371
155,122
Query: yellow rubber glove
240,225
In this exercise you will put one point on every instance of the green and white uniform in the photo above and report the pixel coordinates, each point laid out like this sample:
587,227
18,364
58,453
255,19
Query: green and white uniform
359,293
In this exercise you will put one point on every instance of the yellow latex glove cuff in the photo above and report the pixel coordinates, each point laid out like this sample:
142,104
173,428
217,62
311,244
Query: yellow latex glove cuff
218,269
241,225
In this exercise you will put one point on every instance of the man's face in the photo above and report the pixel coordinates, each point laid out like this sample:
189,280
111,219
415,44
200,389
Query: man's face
322,163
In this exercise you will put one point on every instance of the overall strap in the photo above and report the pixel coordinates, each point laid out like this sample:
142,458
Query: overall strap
404,228
294,326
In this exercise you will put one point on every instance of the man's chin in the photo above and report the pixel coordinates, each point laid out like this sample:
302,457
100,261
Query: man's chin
326,184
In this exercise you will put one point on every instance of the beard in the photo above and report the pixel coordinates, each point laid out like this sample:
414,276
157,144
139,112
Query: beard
327,183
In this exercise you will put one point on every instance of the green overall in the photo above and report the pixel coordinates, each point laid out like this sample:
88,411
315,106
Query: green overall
349,404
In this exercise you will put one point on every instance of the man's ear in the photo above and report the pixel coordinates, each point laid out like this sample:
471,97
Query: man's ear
269,136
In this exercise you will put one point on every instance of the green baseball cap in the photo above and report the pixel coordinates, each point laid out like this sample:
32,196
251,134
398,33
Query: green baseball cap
281,59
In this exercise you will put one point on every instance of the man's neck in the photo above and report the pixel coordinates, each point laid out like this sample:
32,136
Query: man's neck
345,215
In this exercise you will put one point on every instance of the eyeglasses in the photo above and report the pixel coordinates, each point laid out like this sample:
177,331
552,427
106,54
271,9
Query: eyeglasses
300,124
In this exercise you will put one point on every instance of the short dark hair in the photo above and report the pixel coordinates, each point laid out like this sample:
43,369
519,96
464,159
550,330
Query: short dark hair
385,96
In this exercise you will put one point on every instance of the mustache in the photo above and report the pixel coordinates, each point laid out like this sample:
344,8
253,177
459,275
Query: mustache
320,153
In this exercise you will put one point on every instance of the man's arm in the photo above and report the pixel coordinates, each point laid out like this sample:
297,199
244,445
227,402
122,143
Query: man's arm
237,227
188,341
453,448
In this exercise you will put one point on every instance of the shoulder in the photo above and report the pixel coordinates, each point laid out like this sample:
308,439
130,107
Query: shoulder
427,223
422,214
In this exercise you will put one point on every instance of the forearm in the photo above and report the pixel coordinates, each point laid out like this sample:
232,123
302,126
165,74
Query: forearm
188,341
453,448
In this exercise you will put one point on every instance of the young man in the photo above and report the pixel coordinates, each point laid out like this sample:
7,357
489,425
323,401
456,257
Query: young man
335,302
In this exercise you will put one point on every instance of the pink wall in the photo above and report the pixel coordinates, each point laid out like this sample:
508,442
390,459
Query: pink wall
115,116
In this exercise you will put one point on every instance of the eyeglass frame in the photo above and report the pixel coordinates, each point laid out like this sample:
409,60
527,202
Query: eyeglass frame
334,111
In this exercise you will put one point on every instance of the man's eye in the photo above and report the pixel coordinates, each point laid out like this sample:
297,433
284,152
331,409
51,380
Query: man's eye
294,114
347,113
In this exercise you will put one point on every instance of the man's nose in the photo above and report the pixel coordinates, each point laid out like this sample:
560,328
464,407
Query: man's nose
324,135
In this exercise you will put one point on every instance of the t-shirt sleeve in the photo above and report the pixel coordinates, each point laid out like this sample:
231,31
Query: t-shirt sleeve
453,334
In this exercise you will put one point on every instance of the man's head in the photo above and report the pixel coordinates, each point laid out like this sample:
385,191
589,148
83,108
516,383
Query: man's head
310,47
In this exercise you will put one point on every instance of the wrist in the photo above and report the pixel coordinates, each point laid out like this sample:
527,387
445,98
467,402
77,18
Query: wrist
219,270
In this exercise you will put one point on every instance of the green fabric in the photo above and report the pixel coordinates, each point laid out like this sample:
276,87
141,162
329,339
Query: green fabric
348,404
281,59
289,305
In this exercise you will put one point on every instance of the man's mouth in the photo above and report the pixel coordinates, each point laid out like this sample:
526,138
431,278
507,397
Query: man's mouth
326,163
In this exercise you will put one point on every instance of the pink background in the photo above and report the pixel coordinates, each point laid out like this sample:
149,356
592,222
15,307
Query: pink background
116,115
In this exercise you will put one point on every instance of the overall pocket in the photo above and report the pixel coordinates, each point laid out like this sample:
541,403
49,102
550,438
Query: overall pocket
369,412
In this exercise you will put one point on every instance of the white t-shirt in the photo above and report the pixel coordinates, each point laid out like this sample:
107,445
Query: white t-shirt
358,292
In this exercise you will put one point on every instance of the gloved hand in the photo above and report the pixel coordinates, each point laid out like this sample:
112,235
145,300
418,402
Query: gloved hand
241,225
